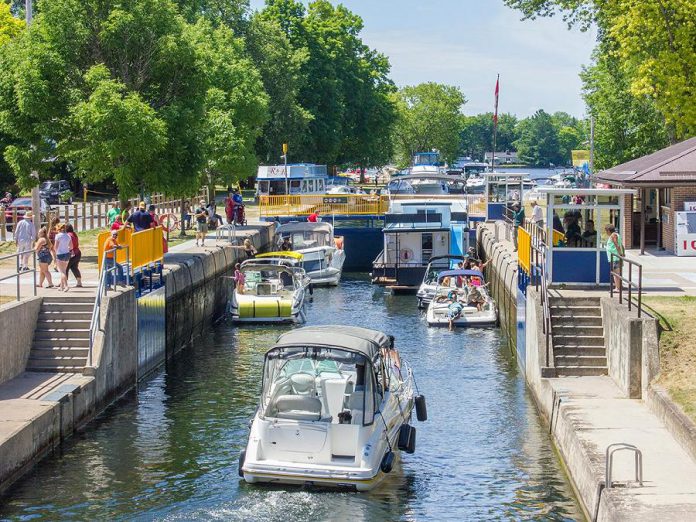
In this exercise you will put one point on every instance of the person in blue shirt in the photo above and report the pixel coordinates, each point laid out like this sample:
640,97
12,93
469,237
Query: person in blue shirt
141,218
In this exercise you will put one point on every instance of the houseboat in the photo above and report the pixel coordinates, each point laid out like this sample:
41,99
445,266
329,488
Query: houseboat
294,179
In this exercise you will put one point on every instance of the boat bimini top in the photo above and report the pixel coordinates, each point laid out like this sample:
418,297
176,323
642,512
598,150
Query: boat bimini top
354,339
306,226
459,273
286,254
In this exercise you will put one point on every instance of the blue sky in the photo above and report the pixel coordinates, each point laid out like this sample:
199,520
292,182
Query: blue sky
467,42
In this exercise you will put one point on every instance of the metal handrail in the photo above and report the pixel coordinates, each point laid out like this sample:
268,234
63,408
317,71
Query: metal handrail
631,284
102,288
19,274
609,462
231,230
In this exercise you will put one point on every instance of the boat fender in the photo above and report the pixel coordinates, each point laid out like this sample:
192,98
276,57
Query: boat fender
421,409
407,438
387,462
242,458
311,289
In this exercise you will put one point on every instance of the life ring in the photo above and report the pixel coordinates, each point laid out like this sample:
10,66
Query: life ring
406,254
164,221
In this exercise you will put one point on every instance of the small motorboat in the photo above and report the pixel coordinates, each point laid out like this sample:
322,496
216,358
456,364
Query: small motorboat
322,253
461,296
436,265
272,293
336,407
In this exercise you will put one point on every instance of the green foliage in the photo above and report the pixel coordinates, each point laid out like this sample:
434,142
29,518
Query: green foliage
429,117
538,143
626,126
10,27
477,134
131,92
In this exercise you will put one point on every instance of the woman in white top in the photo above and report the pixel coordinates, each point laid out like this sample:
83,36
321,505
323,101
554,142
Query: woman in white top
62,248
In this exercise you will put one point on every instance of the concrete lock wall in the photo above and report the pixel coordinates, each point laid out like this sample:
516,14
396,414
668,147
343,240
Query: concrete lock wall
17,324
632,348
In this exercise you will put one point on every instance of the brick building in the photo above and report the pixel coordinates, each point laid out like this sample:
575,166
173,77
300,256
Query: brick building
664,180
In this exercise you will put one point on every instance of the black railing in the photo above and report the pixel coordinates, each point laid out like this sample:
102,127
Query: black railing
630,281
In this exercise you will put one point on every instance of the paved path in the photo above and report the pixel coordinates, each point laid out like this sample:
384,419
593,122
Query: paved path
601,416
666,274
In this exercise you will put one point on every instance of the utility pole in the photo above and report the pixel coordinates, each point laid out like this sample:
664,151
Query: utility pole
285,159
591,144
35,196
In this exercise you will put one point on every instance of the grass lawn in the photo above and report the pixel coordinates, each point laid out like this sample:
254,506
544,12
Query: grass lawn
678,349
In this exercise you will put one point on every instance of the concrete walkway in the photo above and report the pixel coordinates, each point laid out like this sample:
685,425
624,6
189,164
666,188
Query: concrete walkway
665,273
596,415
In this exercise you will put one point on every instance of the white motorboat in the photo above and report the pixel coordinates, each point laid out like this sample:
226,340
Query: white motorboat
335,408
462,297
322,253
437,264
475,184
271,293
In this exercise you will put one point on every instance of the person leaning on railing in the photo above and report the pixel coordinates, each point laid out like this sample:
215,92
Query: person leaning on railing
110,264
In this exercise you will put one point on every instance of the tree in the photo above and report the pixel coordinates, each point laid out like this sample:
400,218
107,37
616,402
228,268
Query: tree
477,134
428,118
127,91
626,126
10,28
538,144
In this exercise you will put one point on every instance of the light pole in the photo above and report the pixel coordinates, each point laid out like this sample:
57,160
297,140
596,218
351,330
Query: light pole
35,197
285,159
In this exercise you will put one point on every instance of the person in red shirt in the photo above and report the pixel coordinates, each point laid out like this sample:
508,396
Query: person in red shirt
313,217
117,224
229,209
76,255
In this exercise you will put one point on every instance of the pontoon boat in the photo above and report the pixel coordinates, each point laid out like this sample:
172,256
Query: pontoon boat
336,406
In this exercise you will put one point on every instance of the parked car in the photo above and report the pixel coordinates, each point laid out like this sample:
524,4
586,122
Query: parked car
21,206
51,191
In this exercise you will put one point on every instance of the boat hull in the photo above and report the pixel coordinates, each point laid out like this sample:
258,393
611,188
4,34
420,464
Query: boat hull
484,318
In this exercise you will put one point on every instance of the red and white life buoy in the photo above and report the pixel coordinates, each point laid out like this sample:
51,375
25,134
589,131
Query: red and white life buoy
406,254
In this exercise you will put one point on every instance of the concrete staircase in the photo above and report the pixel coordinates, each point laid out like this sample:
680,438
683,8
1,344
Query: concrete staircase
578,336
61,338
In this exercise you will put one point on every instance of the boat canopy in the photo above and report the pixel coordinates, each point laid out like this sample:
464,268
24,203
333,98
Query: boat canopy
350,338
295,227
459,273
286,254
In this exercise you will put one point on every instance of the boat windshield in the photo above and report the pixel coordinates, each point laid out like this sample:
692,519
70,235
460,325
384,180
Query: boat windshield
308,239
271,281
319,384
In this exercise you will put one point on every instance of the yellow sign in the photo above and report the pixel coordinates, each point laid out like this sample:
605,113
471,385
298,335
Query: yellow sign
580,157
285,148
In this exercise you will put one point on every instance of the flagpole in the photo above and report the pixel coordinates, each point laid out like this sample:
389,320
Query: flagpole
495,122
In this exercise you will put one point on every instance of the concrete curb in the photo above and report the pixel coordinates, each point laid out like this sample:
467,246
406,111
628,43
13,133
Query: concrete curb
679,425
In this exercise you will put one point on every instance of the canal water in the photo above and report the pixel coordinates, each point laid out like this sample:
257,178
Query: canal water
170,451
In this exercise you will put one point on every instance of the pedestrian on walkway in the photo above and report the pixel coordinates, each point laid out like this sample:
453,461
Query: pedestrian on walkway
201,223
111,266
52,231
615,248
517,220
152,210
117,224
229,208
140,219
43,249
62,249
113,213
24,236
76,255
537,215
125,213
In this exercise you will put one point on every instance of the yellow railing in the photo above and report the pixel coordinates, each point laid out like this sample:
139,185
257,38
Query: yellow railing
351,204
558,237
524,249
145,247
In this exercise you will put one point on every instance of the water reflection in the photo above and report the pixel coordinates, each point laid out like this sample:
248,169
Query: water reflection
170,451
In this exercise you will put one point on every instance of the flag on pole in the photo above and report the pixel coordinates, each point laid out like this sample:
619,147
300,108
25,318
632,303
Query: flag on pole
497,91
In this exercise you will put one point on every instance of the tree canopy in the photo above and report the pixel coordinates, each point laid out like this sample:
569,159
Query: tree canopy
429,118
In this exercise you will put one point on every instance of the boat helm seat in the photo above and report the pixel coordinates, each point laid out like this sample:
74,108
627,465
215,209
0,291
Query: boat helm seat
356,404
302,384
297,407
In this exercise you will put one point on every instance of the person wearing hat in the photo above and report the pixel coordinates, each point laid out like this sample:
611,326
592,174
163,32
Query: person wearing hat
110,247
517,220
141,218
24,236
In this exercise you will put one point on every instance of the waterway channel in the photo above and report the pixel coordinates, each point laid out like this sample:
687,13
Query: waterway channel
170,450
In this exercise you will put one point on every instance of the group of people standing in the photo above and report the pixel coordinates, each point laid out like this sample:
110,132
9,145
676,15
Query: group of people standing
56,244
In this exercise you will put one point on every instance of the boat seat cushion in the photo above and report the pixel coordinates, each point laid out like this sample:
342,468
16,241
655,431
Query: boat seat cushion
302,383
298,407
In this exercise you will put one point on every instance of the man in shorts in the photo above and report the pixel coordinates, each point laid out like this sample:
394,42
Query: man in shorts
201,215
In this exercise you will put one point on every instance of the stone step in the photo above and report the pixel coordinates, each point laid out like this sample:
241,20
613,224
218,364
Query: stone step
69,315
68,299
594,351
50,333
56,363
56,369
576,320
578,340
579,360
566,329
67,307
58,352
574,301
582,310
58,340
580,371
63,322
